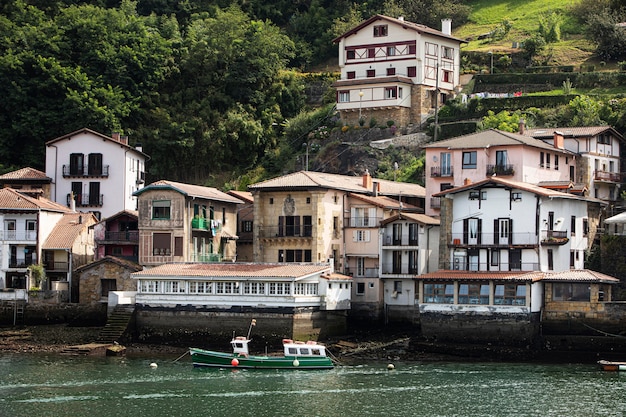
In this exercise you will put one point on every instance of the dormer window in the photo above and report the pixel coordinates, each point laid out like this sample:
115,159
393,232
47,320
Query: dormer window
380,30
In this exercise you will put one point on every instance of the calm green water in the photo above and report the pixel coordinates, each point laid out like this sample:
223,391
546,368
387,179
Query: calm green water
53,385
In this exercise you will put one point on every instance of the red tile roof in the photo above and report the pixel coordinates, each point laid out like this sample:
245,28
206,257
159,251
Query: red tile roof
26,174
232,270
11,199
67,230
190,190
449,275
420,218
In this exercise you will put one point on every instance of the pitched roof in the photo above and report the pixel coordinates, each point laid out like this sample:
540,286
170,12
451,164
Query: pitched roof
497,181
233,270
453,275
125,212
570,132
420,218
190,190
67,230
618,218
579,275
100,135
124,263
11,199
492,137
405,25
245,196
26,174
386,202
305,180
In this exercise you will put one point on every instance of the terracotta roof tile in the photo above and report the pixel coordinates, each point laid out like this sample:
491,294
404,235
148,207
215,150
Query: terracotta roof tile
226,270
14,200
26,174
579,275
583,131
420,218
191,190
245,196
445,275
386,202
67,230
492,137
132,266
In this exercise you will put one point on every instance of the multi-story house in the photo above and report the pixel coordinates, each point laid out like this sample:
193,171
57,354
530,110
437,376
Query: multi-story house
118,236
69,245
392,69
600,163
245,223
185,223
94,172
28,181
300,217
493,153
502,225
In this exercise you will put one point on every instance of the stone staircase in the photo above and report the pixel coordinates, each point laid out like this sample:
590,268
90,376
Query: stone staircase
117,323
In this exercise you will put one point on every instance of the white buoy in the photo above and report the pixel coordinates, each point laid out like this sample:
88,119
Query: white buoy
296,363
390,366
153,365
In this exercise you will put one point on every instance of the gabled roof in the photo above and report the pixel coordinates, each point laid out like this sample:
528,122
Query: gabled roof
386,202
417,217
100,135
26,174
405,25
579,275
453,275
523,186
307,180
130,213
245,196
570,132
189,190
233,270
124,263
493,137
67,230
11,199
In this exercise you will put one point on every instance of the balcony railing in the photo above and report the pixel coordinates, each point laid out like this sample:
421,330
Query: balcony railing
554,237
402,269
286,231
388,240
493,239
435,202
206,257
52,266
362,221
18,235
130,236
445,171
85,171
463,265
500,169
86,200
608,176
200,223
21,262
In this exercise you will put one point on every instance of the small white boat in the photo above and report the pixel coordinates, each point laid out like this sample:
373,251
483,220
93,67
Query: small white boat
612,366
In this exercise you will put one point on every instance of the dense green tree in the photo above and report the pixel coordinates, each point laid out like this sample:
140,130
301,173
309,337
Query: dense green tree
610,38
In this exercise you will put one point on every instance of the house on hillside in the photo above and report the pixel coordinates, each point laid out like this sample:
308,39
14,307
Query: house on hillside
503,225
300,217
245,223
394,70
493,153
29,181
600,162
185,223
118,235
104,276
95,172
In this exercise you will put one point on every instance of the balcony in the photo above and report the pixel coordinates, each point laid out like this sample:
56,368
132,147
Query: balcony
500,170
445,171
435,202
554,237
129,236
291,231
491,239
389,240
605,176
206,257
18,235
463,265
70,171
52,266
200,223
403,269
21,262
362,221
86,200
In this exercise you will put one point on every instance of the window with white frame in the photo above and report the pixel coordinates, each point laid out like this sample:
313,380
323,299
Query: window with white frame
447,52
391,93
380,30
150,286
344,96
360,266
391,50
254,288
362,235
200,287
173,287
226,288
279,288
306,288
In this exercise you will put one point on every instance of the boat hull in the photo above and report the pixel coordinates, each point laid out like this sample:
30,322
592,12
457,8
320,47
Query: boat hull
612,366
208,358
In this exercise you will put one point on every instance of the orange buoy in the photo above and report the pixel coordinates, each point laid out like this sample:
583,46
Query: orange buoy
234,362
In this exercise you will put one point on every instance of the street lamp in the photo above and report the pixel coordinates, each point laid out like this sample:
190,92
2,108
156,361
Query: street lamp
491,57
360,104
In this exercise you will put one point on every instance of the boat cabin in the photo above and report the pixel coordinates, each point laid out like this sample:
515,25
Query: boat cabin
310,348
240,345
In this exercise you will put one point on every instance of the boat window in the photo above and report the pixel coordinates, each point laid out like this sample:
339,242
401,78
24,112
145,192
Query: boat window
239,345
293,351
316,352
304,351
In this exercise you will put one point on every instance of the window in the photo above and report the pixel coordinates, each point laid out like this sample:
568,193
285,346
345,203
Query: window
279,288
77,161
391,71
161,209
226,288
271,200
572,226
510,294
411,71
399,92
396,262
173,287
413,234
161,244
439,293
556,162
391,93
94,194
350,54
473,293
371,53
362,236
380,30
550,260
391,51
516,196
254,288
447,76
200,287
306,288
150,286
445,164
360,267
585,227
94,164
344,96
31,229
106,285
412,49
477,195
307,226
397,233
10,228
548,161
413,262
541,159
567,291
515,259
495,258
447,52
360,288
397,286
246,226
469,160
371,73
294,255
571,259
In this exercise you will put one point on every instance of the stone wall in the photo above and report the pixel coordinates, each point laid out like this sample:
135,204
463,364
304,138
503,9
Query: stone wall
90,288
44,313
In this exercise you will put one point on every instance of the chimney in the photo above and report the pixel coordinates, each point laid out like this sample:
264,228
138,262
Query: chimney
116,136
467,181
401,18
446,26
80,219
522,126
139,147
124,140
367,180
558,140
375,188
72,201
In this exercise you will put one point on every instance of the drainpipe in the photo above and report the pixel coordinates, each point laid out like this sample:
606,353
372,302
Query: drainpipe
69,274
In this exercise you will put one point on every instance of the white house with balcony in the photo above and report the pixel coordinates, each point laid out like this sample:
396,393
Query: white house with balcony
504,225
95,172
391,69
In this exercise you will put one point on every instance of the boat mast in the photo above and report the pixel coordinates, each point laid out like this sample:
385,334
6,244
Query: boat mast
252,323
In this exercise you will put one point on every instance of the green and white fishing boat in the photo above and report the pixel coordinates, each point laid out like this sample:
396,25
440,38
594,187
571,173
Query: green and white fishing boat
296,355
